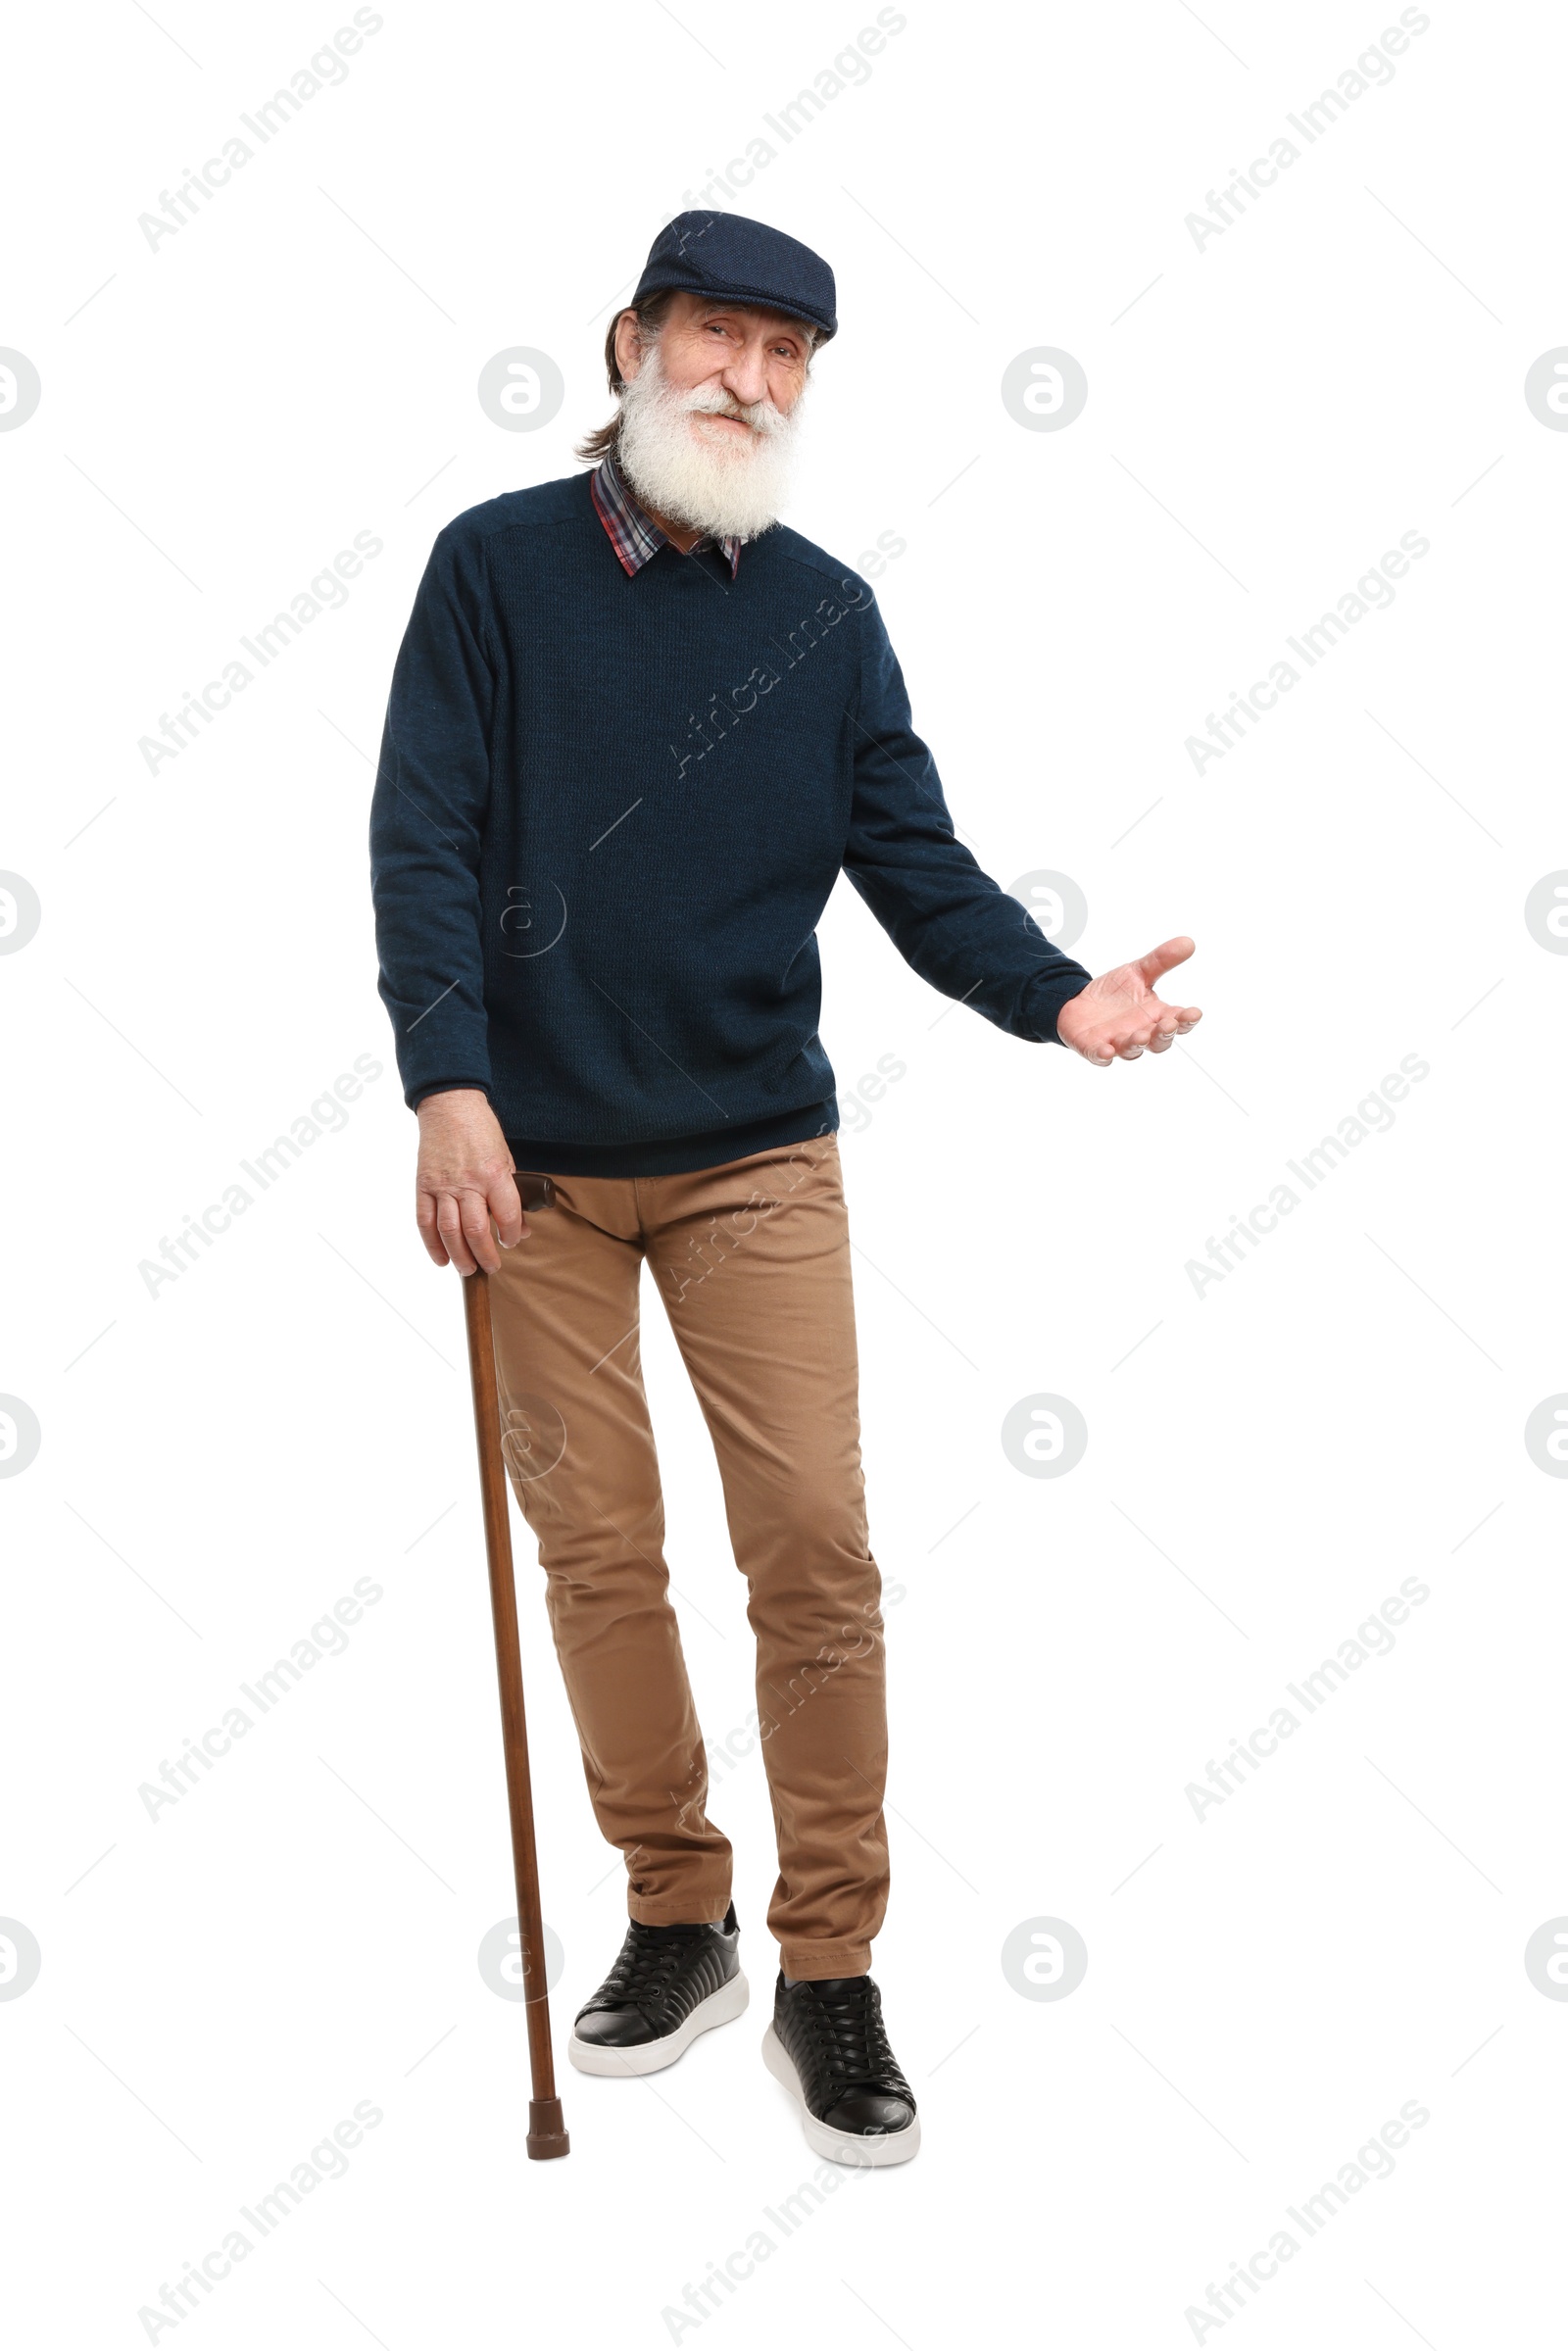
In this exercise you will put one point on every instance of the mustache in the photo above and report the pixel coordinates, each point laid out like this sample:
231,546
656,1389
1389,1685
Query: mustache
711,399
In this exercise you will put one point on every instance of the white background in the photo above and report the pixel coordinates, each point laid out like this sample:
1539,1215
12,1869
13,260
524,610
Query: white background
219,1462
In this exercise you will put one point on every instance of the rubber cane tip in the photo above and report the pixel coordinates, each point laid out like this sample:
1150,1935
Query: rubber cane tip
547,2129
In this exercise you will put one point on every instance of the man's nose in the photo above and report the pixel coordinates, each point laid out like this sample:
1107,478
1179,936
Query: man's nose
746,380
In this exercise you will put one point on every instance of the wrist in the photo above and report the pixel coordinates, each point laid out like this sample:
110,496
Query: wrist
1061,1012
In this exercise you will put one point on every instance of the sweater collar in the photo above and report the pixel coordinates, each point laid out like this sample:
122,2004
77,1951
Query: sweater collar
632,531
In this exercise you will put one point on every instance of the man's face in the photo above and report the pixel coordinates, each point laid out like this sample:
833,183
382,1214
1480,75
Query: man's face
754,356
708,426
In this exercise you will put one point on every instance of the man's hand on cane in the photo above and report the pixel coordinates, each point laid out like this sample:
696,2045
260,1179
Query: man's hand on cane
465,1183
1118,1016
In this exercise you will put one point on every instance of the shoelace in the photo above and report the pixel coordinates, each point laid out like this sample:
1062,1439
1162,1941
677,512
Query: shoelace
647,1960
851,2038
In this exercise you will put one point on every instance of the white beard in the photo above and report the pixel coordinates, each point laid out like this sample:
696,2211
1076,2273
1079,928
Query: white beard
707,480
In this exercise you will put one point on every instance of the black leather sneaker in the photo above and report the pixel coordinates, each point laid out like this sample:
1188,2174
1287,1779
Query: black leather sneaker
668,1984
829,2048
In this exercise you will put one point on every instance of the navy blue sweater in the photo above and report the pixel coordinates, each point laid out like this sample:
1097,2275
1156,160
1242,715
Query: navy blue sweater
608,814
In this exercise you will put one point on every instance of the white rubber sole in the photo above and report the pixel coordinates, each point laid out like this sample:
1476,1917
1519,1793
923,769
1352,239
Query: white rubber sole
721,2007
839,2146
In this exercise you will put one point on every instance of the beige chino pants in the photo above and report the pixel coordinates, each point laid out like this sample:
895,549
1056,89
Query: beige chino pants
752,1262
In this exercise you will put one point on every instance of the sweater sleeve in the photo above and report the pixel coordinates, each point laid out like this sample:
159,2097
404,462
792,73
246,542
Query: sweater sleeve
947,918
428,814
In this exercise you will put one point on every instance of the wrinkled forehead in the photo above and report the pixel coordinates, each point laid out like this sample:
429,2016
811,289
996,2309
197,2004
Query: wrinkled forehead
692,309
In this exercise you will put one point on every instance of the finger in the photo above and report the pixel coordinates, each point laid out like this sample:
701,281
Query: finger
1165,958
424,1217
1162,1043
1131,1038
474,1210
449,1224
506,1207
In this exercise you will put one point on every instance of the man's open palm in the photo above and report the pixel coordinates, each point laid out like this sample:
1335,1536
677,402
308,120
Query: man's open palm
1117,1016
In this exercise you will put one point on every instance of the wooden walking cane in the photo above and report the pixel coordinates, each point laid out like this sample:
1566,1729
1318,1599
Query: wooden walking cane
547,2129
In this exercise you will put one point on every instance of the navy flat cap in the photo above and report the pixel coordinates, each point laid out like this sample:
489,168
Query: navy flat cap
733,260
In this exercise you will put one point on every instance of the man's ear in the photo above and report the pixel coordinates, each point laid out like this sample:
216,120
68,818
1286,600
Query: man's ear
628,348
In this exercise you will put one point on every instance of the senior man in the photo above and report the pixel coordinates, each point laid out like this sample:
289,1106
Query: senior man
637,729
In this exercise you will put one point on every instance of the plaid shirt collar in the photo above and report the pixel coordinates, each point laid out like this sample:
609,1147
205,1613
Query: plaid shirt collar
632,531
